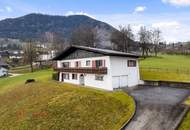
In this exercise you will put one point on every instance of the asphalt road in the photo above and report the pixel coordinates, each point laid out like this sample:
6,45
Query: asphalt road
157,108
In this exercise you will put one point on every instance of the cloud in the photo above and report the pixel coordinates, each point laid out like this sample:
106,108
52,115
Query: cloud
168,25
178,2
139,9
78,13
8,9
173,28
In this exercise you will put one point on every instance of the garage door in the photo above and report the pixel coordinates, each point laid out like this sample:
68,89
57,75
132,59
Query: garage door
120,81
115,82
123,81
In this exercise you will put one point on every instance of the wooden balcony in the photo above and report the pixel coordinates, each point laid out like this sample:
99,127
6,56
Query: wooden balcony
84,70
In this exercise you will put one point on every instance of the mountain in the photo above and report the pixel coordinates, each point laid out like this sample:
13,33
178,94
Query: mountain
34,26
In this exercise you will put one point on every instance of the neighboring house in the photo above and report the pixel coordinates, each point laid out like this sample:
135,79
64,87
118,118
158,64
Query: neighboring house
16,54
3,69
100,68
4,54
47,56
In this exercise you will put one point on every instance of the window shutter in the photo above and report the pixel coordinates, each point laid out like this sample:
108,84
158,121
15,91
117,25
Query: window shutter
104,63
93,64
79,63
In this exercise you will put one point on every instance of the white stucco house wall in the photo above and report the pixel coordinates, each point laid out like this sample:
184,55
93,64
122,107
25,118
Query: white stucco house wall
99,68
3,69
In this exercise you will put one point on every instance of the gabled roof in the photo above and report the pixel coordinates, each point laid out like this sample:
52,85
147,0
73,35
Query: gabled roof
105,52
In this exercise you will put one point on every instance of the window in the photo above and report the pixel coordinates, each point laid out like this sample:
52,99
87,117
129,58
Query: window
99,63
132,63
74,76
66,64
99,77
88,63
66,76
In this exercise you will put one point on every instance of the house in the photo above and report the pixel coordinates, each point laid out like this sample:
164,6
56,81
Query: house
17,54
47,56
3,69
4,54
100,68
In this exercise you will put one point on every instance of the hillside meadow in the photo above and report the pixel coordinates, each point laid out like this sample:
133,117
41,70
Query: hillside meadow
166,68
49,105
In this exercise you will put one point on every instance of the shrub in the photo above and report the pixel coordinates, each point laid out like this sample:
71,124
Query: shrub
55,76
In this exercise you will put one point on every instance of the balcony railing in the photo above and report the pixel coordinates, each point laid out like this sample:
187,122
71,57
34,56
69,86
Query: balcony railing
83,70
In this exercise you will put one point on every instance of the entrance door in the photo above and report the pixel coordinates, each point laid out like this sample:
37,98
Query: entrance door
81,79
62,77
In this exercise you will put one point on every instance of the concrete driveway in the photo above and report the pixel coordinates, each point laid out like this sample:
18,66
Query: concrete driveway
158,108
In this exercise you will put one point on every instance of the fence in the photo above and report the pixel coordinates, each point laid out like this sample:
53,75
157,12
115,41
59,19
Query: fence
166,70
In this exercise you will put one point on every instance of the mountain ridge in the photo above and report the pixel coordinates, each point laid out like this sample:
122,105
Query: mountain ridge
34,26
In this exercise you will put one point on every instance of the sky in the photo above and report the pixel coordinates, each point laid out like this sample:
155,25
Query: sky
172,17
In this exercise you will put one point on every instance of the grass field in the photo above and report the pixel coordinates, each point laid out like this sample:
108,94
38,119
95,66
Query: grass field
186,122
49,105
22,69
166,68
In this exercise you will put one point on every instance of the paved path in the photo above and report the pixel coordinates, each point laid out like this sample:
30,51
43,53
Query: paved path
157,108
14,75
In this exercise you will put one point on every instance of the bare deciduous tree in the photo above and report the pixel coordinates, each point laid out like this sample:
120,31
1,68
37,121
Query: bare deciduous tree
30,54
85,36
156,39
123,38
59,43
145,40
56,41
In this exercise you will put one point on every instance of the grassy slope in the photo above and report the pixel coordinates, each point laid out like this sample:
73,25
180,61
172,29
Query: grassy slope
9,83
21,69
48,105
186,122
185,125
168,64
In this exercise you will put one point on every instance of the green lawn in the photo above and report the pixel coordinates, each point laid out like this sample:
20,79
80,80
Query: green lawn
166,68
186,122
22,69
187,102
49,105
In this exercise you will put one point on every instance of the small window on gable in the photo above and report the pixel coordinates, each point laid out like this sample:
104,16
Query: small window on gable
132,63
99,77
88,63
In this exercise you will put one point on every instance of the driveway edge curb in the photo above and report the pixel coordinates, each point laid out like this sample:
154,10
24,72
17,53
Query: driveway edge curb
181,118
129,120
